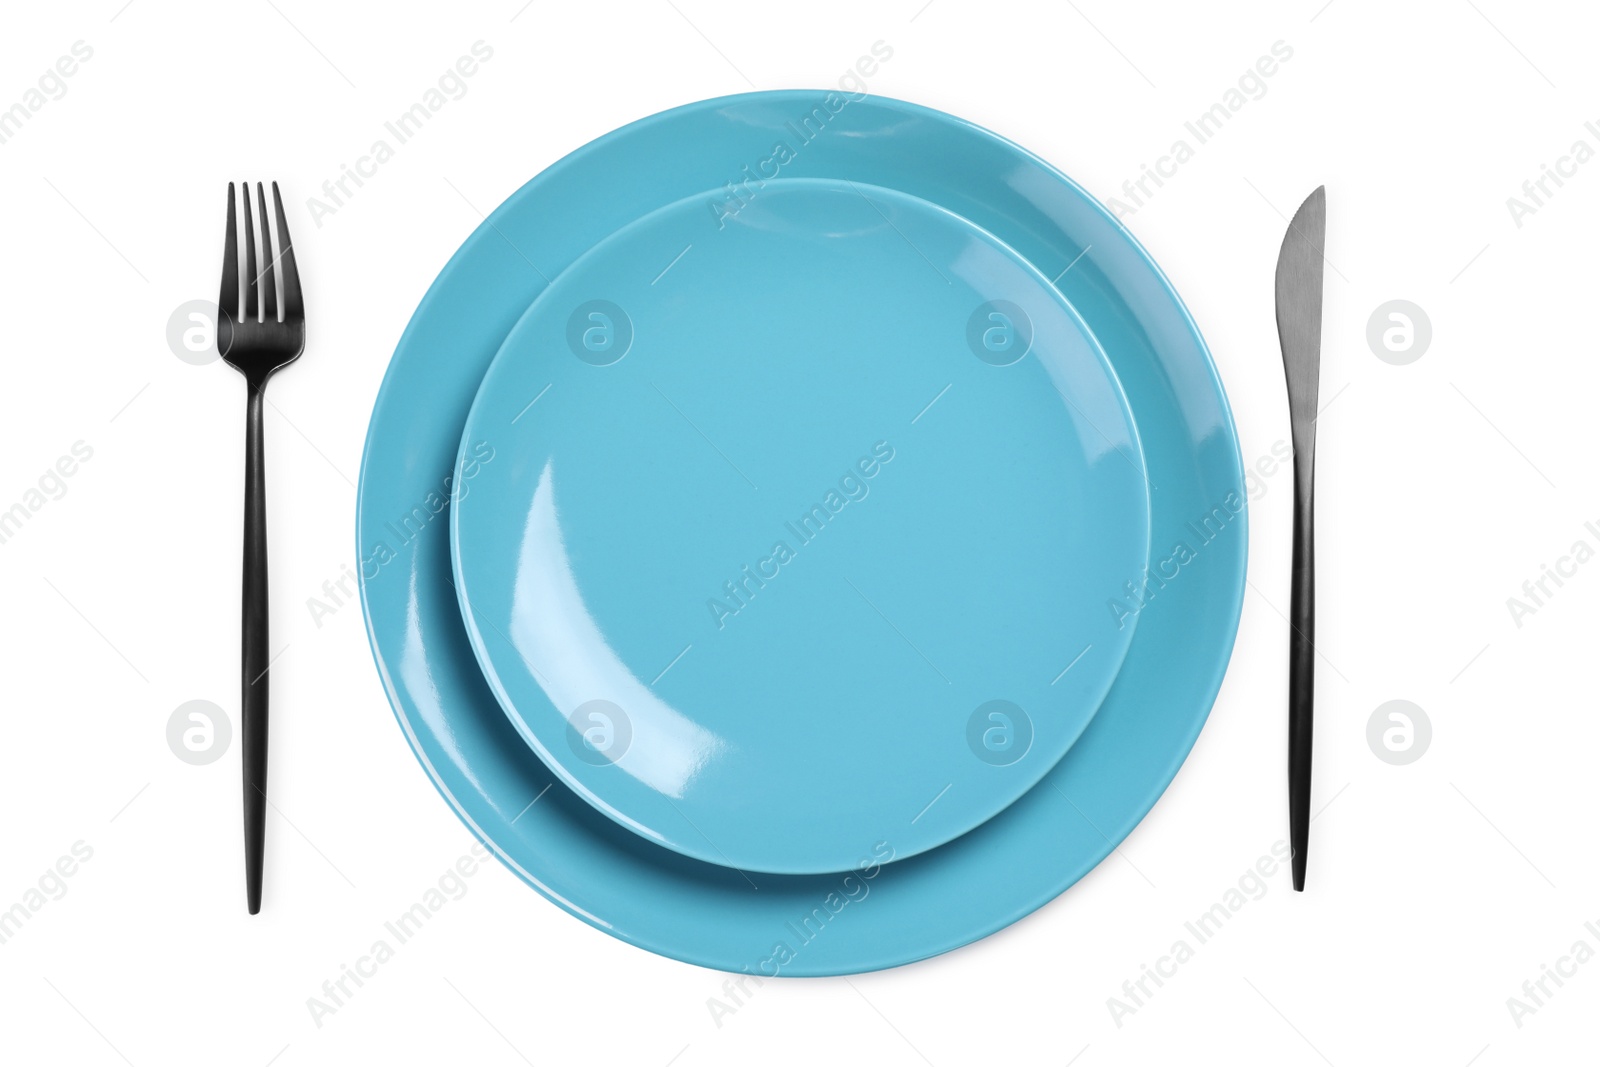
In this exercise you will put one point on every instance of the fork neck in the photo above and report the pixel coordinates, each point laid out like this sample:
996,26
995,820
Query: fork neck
255,382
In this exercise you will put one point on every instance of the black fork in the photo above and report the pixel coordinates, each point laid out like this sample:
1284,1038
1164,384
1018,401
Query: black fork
256,339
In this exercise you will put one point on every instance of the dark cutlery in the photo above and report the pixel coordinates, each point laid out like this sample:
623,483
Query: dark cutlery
256,338
1299,300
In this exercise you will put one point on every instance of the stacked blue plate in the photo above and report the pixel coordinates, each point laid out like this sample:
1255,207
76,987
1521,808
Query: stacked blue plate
801,513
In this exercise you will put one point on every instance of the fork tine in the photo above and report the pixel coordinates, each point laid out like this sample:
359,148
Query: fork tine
251,289
293,308
228,301
269,287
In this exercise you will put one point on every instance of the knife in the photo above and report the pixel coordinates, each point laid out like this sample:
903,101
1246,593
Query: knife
1299,303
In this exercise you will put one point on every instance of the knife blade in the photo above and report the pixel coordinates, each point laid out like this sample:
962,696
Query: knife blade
1299,309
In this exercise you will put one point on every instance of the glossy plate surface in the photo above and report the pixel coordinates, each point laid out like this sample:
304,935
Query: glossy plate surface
882,913
793,519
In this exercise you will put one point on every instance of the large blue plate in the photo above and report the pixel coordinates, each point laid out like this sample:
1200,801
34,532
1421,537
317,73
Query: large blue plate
882,913
916,451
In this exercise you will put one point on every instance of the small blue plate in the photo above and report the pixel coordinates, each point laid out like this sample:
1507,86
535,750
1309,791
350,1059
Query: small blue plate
794,516
882,912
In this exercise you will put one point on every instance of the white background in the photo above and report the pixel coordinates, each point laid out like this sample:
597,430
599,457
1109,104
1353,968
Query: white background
1436,888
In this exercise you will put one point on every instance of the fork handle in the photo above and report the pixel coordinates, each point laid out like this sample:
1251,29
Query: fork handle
254,656
1302,663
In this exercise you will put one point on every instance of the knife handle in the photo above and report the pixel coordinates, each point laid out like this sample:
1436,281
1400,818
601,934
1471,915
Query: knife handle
1302,653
